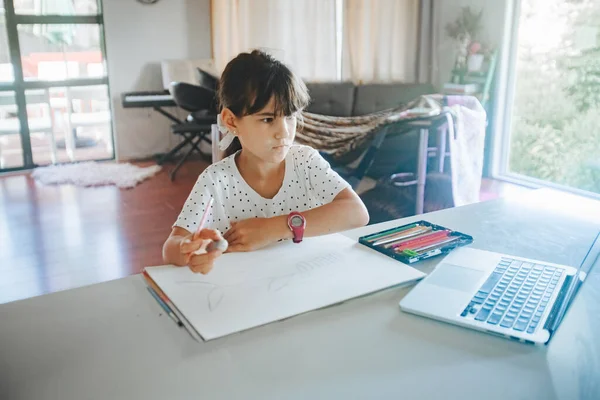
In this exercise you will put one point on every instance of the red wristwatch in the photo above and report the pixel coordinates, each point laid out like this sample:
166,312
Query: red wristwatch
297,223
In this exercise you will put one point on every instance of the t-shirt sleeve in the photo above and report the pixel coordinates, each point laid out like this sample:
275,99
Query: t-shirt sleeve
191,214
325,184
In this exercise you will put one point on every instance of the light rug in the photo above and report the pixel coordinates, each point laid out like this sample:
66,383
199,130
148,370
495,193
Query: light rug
92,173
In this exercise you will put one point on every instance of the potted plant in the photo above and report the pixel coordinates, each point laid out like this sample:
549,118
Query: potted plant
465,31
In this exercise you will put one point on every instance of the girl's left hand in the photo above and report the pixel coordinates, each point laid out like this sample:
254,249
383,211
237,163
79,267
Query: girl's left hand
251,234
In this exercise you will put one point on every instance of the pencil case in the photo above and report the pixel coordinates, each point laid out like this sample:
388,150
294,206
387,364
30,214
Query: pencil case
416,241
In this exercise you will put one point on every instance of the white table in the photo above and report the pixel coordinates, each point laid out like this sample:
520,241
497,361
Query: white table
107,341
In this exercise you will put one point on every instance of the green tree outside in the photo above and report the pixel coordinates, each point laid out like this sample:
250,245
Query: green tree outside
555,133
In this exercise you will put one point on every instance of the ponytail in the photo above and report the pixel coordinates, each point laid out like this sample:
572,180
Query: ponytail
233,147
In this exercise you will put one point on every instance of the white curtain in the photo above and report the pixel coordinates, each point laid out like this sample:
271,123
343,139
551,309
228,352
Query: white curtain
300,33
380,40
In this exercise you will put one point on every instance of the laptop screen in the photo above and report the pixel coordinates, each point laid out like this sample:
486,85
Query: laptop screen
591,259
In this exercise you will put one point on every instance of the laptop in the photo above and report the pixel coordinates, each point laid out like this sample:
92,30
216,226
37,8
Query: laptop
514,297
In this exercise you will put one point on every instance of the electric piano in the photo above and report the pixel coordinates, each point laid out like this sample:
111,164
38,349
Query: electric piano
151,99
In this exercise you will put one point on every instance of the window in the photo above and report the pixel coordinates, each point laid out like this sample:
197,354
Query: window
61,51
54,102
552,134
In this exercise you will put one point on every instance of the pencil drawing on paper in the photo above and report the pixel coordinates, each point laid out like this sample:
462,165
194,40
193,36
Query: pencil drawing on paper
214,296
303,270
271,284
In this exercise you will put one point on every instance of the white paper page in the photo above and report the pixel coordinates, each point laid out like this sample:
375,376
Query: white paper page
246,290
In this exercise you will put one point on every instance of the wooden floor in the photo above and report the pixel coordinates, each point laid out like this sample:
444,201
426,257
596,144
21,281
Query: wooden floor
59,237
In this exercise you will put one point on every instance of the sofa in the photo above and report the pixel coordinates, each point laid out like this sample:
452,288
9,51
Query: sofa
344,99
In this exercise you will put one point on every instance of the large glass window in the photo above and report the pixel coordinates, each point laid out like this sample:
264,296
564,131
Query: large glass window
54,103
59,52
554,132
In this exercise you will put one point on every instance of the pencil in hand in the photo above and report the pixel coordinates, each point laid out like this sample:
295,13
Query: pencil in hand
221,244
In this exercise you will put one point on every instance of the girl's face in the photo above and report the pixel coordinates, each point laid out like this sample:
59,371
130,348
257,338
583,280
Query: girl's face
265,135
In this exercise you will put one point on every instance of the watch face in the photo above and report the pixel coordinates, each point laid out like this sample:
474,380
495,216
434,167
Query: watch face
297,221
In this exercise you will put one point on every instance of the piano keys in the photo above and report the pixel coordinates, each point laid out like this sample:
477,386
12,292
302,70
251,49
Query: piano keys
151,99
147,99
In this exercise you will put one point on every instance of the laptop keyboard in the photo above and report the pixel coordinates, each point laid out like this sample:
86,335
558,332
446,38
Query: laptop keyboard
515,295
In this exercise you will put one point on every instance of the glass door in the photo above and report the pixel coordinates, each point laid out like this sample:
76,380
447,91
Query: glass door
54,100
553,134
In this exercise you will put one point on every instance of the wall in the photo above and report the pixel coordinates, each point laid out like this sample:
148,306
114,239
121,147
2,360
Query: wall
180,29
138,37
446,12
494,22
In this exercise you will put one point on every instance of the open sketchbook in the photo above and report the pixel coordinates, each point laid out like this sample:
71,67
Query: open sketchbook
246,290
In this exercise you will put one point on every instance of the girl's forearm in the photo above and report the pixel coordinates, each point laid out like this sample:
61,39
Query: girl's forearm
337,216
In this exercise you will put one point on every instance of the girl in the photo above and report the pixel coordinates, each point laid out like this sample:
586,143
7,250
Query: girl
267,189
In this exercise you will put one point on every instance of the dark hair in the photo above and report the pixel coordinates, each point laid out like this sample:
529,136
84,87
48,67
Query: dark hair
250,80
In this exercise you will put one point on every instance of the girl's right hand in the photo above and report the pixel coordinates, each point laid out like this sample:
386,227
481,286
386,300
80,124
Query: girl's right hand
193,248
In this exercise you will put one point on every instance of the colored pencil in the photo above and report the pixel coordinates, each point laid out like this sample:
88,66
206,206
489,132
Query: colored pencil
401,232
436,245
164,306
150,282
204,216
374,237
422,240
403,235
180,317
155,287
218,245
398,242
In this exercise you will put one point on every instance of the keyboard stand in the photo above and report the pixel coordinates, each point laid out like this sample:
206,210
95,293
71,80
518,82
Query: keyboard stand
157,100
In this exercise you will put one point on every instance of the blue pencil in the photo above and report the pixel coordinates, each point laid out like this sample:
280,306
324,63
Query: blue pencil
164,306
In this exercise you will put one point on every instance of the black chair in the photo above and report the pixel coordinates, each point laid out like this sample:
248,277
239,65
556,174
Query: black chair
207,80
200,102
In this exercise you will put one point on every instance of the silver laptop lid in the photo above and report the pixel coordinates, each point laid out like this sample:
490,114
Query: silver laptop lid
591,259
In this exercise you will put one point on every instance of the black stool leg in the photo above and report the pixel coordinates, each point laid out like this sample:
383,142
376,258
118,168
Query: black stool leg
185,156
175,150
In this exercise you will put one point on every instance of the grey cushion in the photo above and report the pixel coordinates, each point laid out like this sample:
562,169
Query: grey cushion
335,98
376,97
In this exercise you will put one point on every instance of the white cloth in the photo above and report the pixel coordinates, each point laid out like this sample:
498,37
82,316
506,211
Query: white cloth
466,148
309,182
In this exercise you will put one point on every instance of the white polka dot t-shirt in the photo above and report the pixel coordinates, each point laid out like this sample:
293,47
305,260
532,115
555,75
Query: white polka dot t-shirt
309,182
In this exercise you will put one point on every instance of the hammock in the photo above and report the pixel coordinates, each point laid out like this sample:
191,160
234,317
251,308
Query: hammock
345,138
